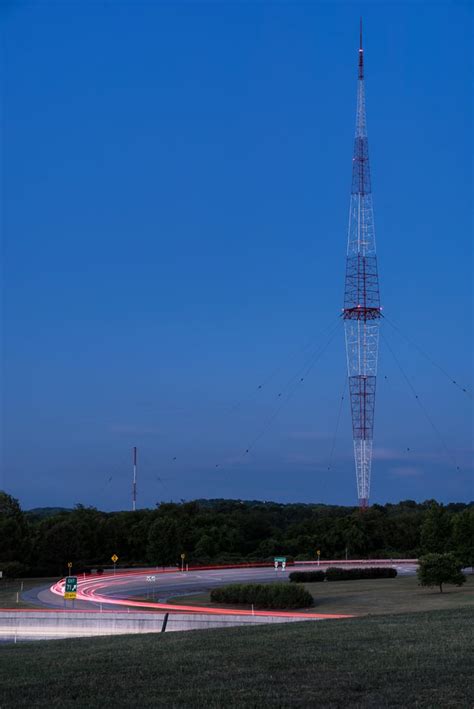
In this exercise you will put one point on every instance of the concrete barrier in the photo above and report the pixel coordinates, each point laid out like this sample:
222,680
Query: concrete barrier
45,625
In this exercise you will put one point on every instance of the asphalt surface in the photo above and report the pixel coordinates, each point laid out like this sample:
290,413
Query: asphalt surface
154,586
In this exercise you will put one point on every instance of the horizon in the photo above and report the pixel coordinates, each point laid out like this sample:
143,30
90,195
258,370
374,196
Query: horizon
355,506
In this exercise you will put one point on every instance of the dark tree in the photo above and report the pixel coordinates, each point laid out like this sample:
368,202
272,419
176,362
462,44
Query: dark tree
436,569
59,545
163,542
229,531
14,531
463,536
435,530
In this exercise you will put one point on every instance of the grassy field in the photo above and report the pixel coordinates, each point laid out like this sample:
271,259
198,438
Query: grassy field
10,588
379,596
420,659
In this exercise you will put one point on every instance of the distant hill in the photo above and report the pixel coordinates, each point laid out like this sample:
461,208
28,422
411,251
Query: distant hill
42,512
215,503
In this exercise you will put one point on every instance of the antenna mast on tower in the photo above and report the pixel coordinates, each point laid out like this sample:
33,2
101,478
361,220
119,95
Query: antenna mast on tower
362,311
134,486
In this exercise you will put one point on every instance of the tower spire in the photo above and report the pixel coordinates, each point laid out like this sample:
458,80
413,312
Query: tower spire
361,312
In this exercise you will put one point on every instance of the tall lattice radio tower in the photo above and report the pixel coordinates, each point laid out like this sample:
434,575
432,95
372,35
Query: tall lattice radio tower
362,310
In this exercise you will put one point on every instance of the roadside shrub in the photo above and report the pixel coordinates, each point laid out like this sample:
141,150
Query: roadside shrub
216,595
276,596
307,576
13,569
376,572
50,570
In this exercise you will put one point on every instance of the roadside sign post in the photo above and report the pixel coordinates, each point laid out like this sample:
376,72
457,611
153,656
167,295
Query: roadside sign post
319,555
151,579
183,557
70,589
114,558
280,560
69,566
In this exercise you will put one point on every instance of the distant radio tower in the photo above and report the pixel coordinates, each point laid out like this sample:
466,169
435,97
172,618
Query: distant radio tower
362,310
134,487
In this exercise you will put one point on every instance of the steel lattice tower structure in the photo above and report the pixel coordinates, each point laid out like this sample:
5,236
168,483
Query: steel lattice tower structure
361,312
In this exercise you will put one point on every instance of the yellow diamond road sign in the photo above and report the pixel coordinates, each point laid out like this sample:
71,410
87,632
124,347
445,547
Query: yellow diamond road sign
114,558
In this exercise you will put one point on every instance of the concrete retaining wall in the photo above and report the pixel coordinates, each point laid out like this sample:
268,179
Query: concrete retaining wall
40,625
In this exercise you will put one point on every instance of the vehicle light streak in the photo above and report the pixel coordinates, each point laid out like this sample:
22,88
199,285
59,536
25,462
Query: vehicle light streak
92,590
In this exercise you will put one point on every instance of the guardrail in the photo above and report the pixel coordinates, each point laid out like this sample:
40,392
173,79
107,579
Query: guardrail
30,624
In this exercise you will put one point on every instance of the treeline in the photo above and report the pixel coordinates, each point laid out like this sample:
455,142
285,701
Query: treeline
226,531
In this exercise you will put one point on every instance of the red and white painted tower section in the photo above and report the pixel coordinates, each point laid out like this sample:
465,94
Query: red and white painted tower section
134,484
361,312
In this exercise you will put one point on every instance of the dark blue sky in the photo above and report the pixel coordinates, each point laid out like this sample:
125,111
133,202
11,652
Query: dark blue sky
176,189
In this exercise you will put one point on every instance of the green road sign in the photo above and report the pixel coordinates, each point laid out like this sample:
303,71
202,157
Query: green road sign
70,587
280,559
71,584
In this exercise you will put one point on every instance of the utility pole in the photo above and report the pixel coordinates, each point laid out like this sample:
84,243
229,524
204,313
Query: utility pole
362,311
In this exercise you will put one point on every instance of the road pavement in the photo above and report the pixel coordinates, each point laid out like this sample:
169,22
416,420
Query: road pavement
155,587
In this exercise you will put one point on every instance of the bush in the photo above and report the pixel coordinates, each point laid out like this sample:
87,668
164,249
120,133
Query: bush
276,596
13,569
307,576
376,572
37,571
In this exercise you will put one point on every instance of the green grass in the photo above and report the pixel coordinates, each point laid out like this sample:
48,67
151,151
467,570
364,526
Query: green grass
377,596
9,589
420,659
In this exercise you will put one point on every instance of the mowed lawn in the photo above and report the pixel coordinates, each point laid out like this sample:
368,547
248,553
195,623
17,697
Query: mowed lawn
419,659
379,596
11,589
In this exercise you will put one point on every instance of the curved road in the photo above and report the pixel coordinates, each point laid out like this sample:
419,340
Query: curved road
153,588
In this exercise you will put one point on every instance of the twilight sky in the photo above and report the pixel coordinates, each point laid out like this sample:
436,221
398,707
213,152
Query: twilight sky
176,186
